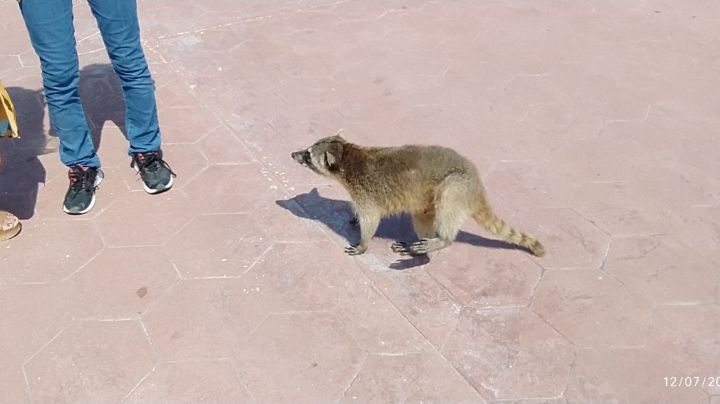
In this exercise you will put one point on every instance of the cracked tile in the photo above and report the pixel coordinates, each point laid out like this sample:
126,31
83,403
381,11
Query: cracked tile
621,209
662,270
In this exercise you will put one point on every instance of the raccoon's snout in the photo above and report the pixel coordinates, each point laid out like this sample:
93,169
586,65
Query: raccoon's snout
302,157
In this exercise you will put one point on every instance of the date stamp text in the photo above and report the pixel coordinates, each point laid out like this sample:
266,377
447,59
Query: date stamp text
692,381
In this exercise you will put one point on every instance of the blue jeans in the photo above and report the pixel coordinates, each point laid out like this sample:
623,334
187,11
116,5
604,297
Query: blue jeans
50,25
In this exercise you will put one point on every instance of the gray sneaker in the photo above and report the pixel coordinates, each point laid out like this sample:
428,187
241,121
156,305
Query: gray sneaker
80,196
155,173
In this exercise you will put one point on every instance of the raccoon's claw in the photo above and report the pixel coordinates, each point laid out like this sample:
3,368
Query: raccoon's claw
400,248
417,248
355,250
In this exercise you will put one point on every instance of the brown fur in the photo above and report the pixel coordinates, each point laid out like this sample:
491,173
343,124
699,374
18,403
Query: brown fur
438,187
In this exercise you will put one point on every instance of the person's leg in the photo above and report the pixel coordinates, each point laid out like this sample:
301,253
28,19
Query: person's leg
120,30
50,26
119,27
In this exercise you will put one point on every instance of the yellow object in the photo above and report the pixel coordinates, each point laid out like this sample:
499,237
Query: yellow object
8,120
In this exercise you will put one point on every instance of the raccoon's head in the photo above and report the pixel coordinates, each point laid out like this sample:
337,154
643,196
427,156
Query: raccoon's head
323,156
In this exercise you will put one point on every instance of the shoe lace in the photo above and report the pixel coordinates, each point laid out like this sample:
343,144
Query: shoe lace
152,161
81,179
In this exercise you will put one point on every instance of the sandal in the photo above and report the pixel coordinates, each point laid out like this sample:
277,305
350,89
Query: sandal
10,226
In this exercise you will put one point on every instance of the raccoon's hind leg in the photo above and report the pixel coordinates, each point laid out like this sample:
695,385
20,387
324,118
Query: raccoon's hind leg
453,201
424,226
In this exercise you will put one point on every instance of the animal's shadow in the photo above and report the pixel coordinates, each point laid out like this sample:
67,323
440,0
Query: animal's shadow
337,216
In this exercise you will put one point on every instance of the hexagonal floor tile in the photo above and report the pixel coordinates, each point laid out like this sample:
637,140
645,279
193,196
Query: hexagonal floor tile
410,378
60,247
620,209
222,147
205,318
495,349
529,185
91,362
570,240
425,302
31,316
231,189
175,92
630,375
139,219
198,381
690,337
698,227
121,282
662,270
677,183
579,157
378,326
237,242
185,125
303,276
304,355
12,383
485,277
592,309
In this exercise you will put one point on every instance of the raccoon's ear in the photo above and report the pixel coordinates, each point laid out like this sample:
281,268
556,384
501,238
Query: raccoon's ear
340,136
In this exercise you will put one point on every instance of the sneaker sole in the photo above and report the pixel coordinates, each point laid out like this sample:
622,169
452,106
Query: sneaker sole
98,180
155,191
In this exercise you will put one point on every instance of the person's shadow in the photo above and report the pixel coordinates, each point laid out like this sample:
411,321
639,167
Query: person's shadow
337,215
23,172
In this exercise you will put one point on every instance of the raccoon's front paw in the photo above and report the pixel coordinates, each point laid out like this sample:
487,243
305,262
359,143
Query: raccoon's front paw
355,250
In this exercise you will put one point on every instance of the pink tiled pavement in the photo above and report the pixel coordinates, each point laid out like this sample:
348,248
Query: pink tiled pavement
594,124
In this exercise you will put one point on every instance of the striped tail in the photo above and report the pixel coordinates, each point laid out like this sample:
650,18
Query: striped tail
498,227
